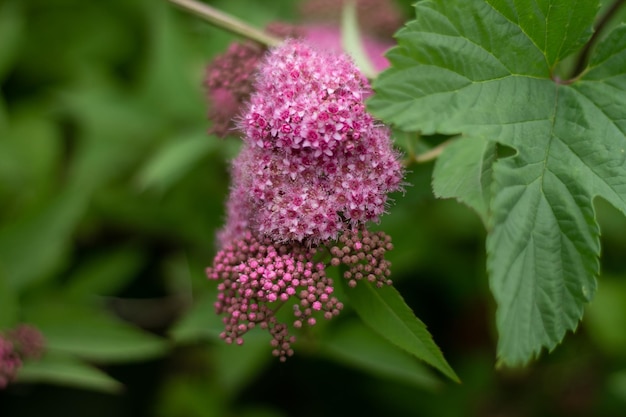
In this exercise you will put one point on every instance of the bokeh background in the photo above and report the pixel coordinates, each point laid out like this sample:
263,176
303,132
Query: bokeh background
111,191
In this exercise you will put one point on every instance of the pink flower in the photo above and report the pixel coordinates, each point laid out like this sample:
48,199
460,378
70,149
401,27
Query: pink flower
314,161
314,169
23,342
228,84
257,276
228,79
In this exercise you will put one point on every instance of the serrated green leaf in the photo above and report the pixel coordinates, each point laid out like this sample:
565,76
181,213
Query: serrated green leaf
356,345
485,69
385,312
68,371
90,334
464,171
557,28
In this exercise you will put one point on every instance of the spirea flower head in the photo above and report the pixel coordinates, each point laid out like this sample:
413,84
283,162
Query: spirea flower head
313,170
315,162
228,78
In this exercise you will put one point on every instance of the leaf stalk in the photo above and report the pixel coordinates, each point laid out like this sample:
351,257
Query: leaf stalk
227,22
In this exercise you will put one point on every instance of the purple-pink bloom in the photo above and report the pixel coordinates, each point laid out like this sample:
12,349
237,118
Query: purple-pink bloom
228,79
314,168
314,162
257,276
10,362
22,342
228,84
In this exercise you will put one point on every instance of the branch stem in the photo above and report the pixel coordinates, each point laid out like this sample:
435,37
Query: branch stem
583,58
227,22
429,155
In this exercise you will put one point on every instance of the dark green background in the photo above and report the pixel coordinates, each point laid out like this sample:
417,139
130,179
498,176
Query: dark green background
110,195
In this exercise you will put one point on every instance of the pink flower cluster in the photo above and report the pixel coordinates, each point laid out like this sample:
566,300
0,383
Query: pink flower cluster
314,169
314,161
23,342
257,276
229,77
228,85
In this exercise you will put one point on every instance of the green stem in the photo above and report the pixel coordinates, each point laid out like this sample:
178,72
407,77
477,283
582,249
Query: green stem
227,22
583,58
428,156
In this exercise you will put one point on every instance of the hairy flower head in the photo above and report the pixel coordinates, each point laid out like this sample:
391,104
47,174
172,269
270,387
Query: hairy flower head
313,170
314,161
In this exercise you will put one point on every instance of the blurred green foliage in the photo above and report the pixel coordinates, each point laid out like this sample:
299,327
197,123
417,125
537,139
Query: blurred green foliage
110,196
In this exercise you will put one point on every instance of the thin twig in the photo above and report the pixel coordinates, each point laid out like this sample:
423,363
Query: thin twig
583,58
227,22
430,155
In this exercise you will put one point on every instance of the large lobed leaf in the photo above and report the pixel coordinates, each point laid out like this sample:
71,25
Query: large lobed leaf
486,70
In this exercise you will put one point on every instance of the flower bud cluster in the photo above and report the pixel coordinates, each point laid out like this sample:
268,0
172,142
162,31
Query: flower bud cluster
363,252
256,277
228,78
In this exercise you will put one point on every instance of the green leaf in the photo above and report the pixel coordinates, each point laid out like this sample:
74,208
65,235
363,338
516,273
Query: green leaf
177,157
90,334
11,30
557,28
68,371
105,273
237,366
356,345
33,247
464,171
8,303
384,310
485,69
30,154
201,322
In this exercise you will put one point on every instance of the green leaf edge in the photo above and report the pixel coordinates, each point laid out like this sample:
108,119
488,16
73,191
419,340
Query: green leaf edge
410,323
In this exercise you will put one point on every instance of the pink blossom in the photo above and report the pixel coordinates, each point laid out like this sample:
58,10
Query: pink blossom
256,276
314,169
314,161
16,345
